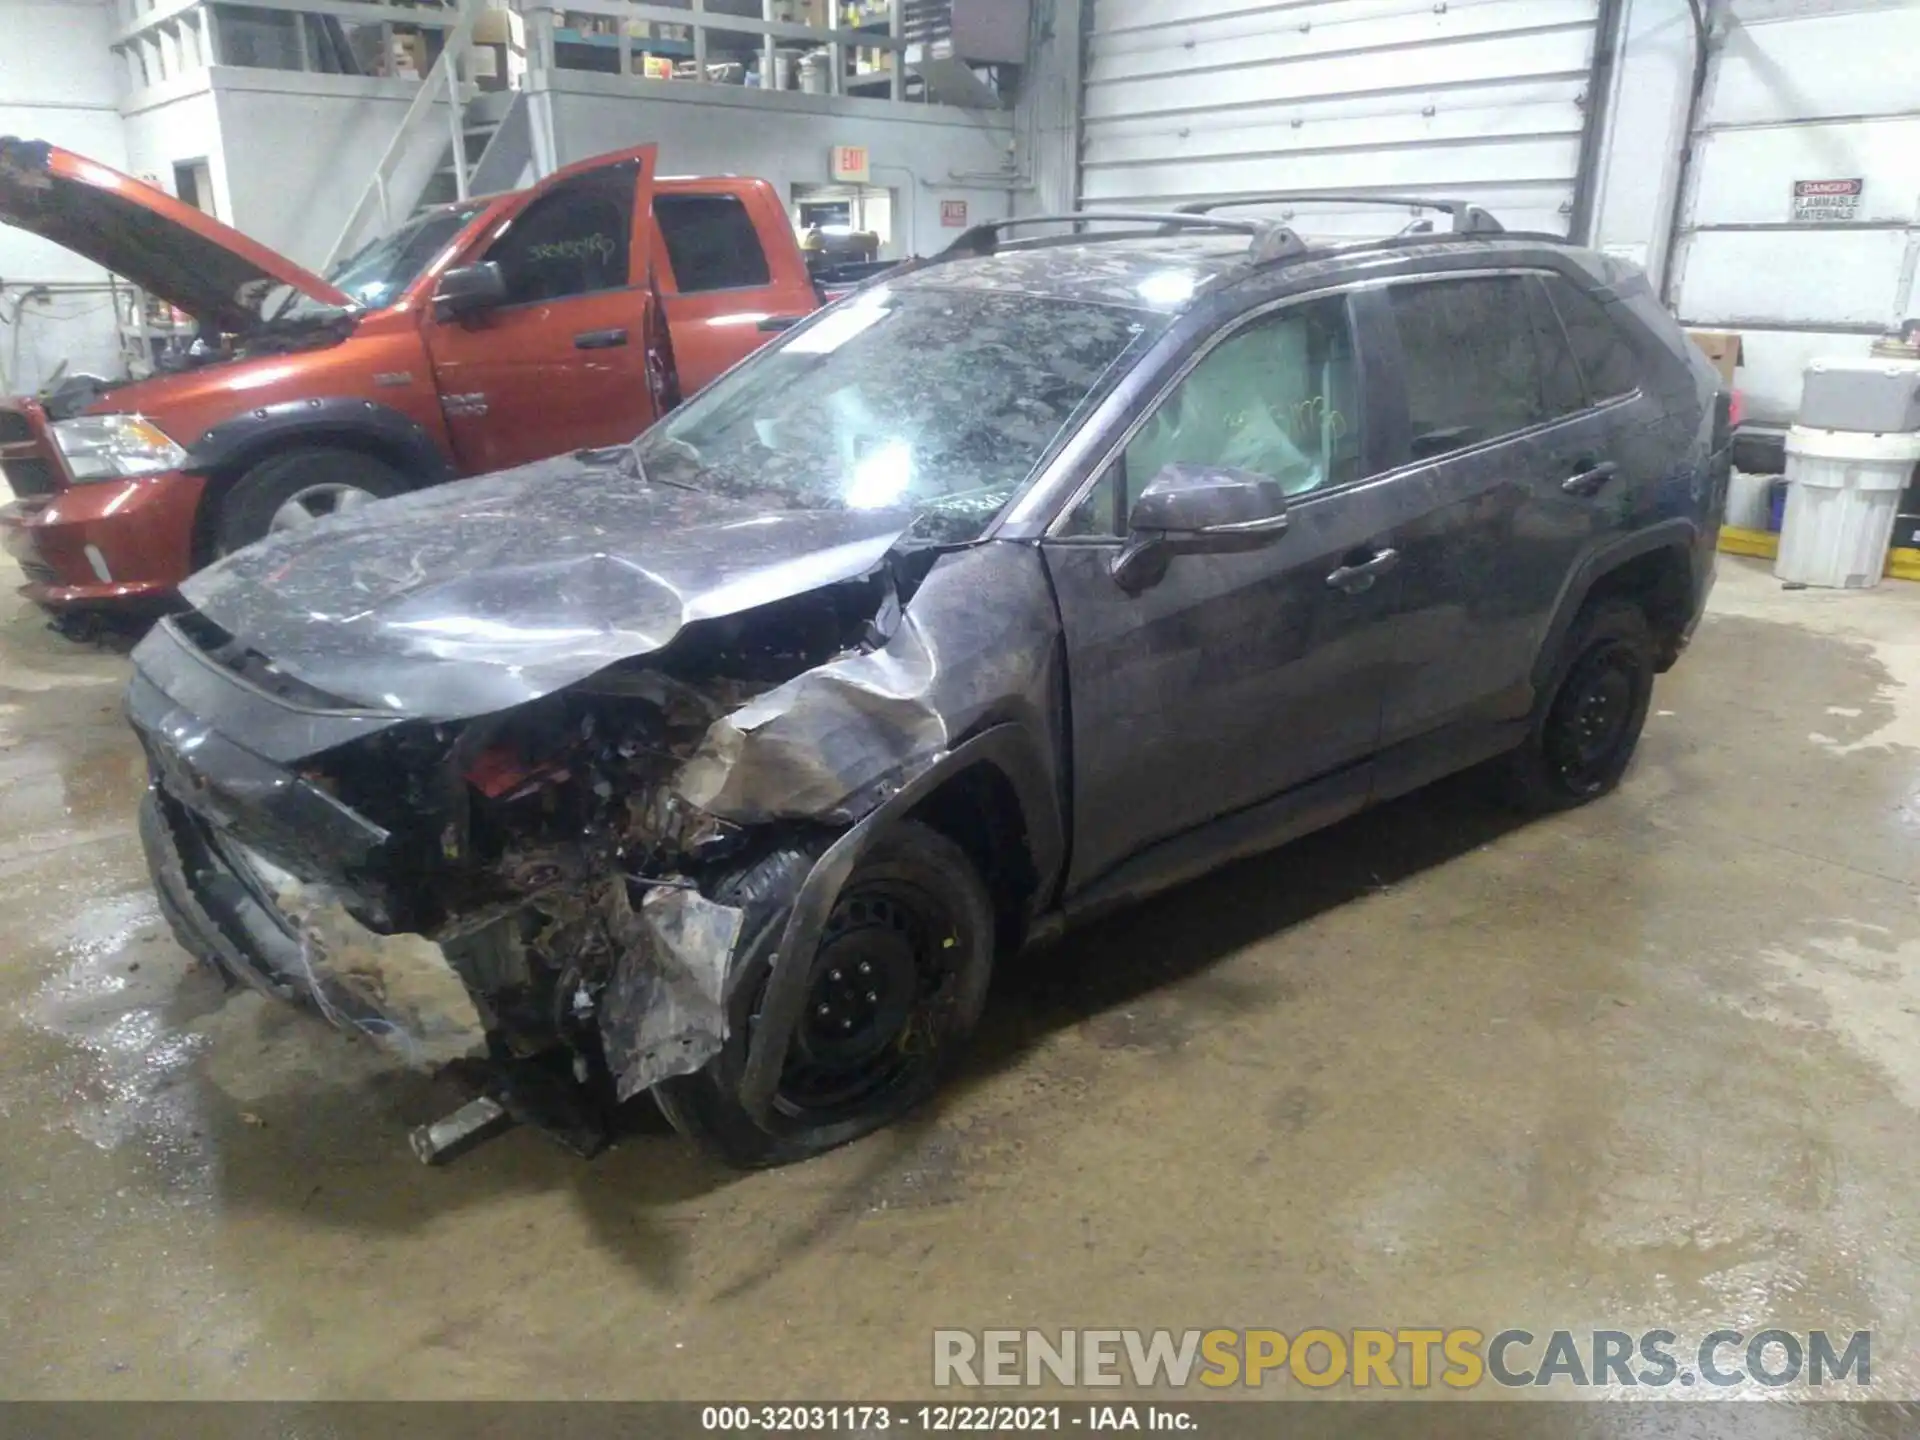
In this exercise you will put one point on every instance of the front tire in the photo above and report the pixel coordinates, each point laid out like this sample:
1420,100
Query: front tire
298,487
895,988
1585,732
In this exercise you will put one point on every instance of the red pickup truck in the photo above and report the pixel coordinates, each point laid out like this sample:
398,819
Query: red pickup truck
477,336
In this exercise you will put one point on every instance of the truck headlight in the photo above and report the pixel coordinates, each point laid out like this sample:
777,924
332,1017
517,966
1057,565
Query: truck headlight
110,447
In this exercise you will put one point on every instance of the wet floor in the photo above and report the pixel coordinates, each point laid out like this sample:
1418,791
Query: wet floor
1652,1065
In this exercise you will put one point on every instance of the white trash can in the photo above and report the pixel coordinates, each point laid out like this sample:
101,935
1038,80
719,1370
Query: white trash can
1843,495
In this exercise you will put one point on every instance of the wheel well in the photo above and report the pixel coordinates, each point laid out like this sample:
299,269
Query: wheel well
1660,582
221,478
980,812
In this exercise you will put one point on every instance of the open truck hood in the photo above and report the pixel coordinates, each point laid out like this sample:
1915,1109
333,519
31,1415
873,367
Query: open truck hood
483,594
169,249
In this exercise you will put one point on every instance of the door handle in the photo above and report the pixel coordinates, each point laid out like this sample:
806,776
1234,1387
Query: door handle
600,339
1355,579
774,324
1590,481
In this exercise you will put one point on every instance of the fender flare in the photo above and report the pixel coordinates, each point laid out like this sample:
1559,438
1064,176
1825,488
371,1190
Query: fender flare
252,435
1010,749
1677,534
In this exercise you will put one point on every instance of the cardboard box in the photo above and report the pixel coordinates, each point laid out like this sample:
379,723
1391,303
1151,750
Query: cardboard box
1723,348
815,13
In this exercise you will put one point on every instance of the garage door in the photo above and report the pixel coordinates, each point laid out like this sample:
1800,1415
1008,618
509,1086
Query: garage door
1483,99
1825,97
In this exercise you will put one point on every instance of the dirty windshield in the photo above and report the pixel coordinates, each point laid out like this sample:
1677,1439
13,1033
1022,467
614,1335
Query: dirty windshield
375,275
938,401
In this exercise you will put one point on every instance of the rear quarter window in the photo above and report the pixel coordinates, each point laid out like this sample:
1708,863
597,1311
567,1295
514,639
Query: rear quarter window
1605,353
711,243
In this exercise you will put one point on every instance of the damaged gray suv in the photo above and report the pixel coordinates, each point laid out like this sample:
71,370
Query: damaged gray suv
1018,585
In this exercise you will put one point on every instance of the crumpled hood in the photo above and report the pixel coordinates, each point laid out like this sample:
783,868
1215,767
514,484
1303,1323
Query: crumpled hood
483,594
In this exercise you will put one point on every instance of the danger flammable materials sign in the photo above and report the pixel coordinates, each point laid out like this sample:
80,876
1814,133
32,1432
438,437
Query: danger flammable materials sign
1822,202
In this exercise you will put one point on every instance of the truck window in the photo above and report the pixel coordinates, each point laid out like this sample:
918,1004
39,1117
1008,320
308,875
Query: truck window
574,240
711,243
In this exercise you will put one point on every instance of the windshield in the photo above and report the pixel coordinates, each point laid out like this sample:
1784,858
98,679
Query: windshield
938,401
375,275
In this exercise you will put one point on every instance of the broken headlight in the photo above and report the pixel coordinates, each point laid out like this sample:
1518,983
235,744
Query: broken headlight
112,447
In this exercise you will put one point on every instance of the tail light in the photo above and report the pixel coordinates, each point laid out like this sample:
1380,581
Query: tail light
1726,415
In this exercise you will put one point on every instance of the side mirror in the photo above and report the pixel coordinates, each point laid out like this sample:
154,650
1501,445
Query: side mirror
1198,510
469,289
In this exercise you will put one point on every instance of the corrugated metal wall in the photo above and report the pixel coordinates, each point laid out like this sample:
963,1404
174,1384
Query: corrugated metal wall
1800,90
1483,99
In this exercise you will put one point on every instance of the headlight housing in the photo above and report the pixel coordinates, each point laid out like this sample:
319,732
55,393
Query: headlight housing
111,447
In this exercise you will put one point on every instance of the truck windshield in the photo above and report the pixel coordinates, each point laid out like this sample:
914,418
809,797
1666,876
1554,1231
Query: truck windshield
938,401
376,274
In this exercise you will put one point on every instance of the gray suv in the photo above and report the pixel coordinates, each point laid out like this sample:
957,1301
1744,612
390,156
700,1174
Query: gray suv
1020,584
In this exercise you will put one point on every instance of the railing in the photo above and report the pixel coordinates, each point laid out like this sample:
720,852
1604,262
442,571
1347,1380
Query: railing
823,47
442,82
162,40
877,49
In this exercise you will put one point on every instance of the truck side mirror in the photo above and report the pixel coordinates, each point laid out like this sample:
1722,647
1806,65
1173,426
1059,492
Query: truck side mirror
469,289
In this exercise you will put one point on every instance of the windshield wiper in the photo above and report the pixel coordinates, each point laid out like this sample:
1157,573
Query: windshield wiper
640,470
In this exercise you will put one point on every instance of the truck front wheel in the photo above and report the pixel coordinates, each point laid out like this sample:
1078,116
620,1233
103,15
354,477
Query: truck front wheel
297,487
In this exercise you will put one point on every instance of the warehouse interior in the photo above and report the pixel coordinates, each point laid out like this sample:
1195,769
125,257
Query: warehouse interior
1651,1064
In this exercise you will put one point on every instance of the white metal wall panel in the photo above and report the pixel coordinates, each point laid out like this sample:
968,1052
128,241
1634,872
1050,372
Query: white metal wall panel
1483,99
1803,91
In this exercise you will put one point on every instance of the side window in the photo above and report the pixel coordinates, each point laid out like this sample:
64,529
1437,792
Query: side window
1279,398
574,240
1605,354
1562,389
711,243
1471,371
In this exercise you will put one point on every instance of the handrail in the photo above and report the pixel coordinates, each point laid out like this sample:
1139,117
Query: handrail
445,75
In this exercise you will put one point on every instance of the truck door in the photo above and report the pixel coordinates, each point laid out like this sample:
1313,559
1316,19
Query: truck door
562,363
723,297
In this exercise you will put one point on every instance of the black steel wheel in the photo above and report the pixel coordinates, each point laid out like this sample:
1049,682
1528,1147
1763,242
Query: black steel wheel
894,989
1585,733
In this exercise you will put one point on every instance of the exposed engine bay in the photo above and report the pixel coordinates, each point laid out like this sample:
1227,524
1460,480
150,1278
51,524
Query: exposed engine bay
550,855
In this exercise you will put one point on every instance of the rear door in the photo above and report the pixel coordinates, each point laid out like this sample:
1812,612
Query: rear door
1233,677
562,364
1520,474
717,280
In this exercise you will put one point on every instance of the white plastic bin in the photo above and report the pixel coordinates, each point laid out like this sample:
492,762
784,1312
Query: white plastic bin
1843,495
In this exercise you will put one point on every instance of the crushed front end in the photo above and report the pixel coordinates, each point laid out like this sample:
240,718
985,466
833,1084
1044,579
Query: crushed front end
521,888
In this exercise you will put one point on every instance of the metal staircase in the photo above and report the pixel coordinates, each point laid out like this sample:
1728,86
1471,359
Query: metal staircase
400,186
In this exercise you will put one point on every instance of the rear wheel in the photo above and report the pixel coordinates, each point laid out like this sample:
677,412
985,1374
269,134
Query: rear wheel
894,989
292,490
1585,732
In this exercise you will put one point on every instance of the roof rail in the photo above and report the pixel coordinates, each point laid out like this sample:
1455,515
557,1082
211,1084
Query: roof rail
1468,218
1269,238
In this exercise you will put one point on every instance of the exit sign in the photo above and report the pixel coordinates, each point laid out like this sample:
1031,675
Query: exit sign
851,163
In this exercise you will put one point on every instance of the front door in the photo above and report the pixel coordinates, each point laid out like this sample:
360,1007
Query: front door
1234,677
562,364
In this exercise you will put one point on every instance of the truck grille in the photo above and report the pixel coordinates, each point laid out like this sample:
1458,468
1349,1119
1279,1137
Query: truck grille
14,427
28,477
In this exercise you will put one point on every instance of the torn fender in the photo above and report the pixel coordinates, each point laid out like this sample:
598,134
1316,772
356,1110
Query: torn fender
664,1011
978,643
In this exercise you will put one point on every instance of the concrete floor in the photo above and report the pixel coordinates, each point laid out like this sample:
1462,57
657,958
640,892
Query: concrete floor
1653,1064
